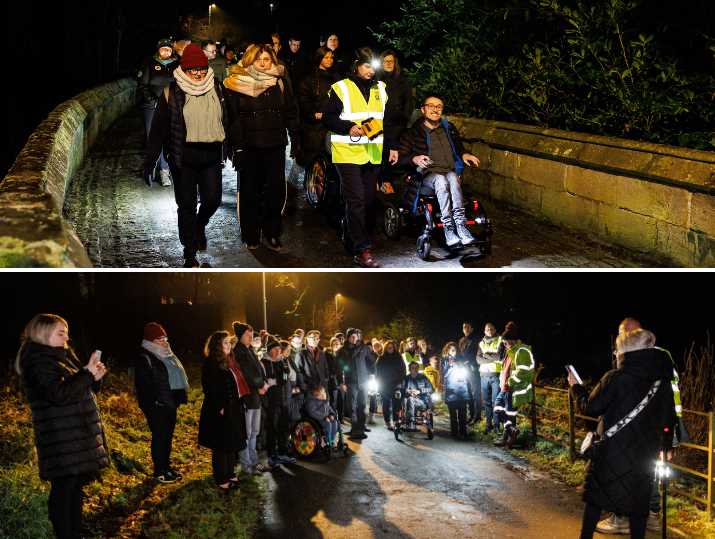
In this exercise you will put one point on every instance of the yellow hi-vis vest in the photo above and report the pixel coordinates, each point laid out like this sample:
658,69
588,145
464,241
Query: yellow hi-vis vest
352,150
490,347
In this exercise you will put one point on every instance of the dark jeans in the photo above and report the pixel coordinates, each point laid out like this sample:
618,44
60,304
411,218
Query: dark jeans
458,418
207,179
223,463
373,404
148,112
276,426
162,420
356,394
490,390
359,184
65,505
390,407
475,405
263,193
337,401
592,513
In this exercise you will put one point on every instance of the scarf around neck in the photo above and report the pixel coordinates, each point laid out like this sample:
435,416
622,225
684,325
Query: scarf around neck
203,114
192,87
177,374
252,82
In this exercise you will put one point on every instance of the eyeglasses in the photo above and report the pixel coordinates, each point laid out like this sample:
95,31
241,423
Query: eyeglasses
198,71
438,108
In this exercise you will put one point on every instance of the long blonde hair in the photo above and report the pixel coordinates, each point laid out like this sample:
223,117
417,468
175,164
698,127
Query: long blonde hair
254,51
37,330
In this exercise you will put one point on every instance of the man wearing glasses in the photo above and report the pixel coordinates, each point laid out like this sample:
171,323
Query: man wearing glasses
435,147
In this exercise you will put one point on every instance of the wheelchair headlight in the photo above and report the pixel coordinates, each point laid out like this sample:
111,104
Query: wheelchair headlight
460,372
436,397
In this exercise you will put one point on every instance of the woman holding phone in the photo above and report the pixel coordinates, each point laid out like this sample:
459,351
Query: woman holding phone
69,437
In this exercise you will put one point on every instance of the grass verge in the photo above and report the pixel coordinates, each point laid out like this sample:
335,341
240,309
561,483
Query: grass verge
125,502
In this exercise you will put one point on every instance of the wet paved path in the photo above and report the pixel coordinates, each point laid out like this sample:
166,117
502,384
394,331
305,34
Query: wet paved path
423,489
124,224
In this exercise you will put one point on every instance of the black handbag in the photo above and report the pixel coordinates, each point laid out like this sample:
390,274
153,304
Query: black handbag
593,443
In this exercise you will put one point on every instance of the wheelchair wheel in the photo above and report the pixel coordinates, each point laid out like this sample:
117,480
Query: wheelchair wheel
391,221
424,247
306,438
315,180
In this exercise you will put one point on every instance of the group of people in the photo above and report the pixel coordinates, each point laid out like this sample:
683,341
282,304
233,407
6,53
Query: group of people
202,109
257,384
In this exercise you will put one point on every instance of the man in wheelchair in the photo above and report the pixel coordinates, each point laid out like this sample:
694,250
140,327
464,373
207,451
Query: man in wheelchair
417,394
434,146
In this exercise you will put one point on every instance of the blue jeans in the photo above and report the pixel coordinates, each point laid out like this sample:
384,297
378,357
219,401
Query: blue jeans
330,428
448,191
249,456
148,112
490,390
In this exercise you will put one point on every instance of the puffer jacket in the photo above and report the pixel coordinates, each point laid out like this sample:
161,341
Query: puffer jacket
68,427
312,97
620,478
457,383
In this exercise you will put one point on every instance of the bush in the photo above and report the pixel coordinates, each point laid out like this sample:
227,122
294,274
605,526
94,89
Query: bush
568,64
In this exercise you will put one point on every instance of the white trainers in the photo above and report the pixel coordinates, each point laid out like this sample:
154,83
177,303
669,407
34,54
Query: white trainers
464,234
450,236
654,523
165,176
614,525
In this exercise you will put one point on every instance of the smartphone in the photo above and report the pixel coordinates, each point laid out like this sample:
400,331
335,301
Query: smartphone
572,370
99,354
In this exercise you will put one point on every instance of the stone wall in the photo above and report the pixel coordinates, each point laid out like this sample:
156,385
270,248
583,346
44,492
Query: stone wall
646,197
32,230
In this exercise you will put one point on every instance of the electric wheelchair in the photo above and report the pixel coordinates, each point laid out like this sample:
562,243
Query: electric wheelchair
422,418
308,440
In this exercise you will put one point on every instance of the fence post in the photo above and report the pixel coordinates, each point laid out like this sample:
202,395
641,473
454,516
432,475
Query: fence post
711,463
533,413
572,430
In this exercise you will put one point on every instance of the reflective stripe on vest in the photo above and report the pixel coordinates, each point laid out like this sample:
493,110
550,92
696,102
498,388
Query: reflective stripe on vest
491,347
677,403
358,151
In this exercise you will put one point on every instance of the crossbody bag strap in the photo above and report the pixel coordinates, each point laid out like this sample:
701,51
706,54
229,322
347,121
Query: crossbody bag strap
637,410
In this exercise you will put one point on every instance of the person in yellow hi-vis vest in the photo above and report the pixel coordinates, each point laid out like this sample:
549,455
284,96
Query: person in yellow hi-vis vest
359,117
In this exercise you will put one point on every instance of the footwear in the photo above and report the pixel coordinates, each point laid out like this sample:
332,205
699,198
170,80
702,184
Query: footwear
273,462
252,246
488,429
285,459
166,478
450,234
201,241
500,442
191,262
367,430
165,177
614,525
358,436
654,522
175,474
275,245
366,260
460,223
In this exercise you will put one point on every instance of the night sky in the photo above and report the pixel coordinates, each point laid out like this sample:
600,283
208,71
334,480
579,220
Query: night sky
567,317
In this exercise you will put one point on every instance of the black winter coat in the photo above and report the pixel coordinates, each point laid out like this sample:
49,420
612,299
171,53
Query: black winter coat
261,122
391,371
151,380
252,371
152,79
337,377
620,478
168,129
399,91
279,394
357,363
413,143
68,428
225,431
312,97
319,371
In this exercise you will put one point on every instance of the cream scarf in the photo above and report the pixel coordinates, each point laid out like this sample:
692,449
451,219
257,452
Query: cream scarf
202,111
252,82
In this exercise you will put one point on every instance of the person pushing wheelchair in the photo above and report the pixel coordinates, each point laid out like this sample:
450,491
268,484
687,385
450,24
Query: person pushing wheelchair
417,391
434,146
